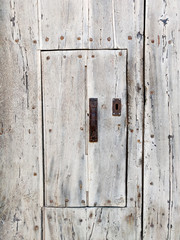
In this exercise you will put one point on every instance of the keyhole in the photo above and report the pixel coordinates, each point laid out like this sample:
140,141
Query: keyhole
116,106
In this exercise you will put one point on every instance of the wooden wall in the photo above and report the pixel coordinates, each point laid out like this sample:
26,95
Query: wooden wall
162,124
22,36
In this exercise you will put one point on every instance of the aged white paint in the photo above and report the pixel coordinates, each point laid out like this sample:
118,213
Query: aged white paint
107,24
64,92
162,128
106,79
20,145
89,223
65,223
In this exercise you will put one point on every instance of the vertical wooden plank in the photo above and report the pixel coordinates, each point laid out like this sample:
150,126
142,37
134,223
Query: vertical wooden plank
64,93
101,24
106,79
162,130
20,146
64,24
65,223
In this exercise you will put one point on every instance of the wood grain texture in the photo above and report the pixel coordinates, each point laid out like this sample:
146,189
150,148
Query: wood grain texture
106,79
63,24
90,223
20,146
64,93
64,86
126,33
162,129
65,223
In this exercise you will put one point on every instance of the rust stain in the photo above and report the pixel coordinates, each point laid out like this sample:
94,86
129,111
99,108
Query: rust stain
138,141
83,202
48,57
36,228
109,39
151,92
131,130
152,40
129,37
51,201
46,39
80,186
78,38
120,53
34,41
152,225
92,56
33,107
50,130
61,37
130,218
79,56
158,40
90,215
91,39
81,128
17,40
35,174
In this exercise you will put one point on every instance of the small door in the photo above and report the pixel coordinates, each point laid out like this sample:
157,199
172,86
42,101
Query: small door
85,127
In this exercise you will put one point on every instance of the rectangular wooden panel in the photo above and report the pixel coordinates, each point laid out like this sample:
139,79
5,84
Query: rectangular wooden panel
106,80
64,84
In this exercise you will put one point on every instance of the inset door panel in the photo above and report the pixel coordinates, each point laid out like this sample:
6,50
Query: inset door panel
80,172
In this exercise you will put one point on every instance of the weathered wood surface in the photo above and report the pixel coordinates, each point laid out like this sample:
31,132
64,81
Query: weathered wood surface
64,93
20,146
67,86
162,129
106,79
65,223
90,224
108,24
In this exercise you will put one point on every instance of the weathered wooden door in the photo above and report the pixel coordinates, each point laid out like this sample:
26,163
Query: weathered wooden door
92,96
89,119
74,124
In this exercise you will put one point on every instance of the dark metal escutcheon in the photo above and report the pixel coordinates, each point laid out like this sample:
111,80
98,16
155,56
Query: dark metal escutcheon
116,107
93,119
